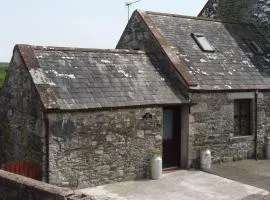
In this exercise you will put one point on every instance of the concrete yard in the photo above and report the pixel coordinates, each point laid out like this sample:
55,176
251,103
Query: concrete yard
182,184
252,172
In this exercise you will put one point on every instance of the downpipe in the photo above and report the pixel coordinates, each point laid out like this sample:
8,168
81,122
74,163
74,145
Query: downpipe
256,124
46,119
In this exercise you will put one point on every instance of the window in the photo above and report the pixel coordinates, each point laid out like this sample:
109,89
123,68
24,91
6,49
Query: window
254,47
202,42
242,117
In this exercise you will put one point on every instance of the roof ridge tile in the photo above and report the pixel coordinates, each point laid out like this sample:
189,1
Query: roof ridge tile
193,17
59,48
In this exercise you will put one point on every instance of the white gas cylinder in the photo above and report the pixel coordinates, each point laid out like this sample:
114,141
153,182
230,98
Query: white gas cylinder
206,159
156,167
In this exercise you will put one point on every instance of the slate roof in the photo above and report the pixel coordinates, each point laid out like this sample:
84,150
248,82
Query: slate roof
69,78
233,66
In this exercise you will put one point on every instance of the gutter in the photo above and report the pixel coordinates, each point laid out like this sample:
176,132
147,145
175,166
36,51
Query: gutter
65,110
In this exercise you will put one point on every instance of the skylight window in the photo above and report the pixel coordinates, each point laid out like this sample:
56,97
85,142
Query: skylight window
202,42
254,47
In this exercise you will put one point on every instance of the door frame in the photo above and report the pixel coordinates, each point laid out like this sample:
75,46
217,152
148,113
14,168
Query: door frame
185,147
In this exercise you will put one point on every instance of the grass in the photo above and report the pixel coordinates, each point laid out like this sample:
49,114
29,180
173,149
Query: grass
3,68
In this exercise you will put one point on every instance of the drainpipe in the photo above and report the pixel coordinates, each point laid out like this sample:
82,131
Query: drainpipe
46,120
255,124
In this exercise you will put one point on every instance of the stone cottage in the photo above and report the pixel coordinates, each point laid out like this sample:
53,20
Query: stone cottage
175,85
86,116
224,69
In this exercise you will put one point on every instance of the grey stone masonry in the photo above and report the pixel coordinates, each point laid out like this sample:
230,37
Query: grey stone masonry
248,11
211,119
13,187
98,147
212,126
21,121
91,117
263,121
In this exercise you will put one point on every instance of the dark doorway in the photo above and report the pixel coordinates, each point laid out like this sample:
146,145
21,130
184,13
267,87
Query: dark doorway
171,137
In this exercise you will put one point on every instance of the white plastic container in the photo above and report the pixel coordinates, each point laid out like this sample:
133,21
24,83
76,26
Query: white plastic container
268,148
156,167
206,159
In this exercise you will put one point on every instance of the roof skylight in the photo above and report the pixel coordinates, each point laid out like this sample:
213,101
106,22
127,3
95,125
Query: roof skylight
202,42
254,47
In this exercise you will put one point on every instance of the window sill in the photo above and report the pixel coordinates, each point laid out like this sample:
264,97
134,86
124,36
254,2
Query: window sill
245,138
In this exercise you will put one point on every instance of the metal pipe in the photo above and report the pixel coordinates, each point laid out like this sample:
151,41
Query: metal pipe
255,124
128,11
128,4
46,120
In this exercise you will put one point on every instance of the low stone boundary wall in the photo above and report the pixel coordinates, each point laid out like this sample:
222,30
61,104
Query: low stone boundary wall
14,187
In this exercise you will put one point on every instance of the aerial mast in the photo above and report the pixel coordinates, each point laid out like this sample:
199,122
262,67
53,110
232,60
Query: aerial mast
128,4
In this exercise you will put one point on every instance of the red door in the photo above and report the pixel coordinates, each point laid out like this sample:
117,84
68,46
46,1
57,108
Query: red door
24,168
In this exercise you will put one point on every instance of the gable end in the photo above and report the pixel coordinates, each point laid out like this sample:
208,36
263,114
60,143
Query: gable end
169,52
166,48
46,93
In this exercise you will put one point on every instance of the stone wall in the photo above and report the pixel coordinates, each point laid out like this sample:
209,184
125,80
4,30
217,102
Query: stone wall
212,126
13,187
249,11
232,10
103,146
263,121
21,123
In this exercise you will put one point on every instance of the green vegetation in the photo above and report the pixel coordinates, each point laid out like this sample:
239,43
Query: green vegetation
3,69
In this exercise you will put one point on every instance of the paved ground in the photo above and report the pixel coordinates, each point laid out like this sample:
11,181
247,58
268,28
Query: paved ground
252,172
182,184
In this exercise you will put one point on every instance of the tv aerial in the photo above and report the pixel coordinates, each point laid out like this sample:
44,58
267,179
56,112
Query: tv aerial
130,3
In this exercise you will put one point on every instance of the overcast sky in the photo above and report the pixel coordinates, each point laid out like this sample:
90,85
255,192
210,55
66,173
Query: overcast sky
76,23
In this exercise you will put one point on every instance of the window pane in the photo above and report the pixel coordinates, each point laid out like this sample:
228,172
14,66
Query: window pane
242,117
236,126
244,126
204,43
168,124
236,108
256,49
245,108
